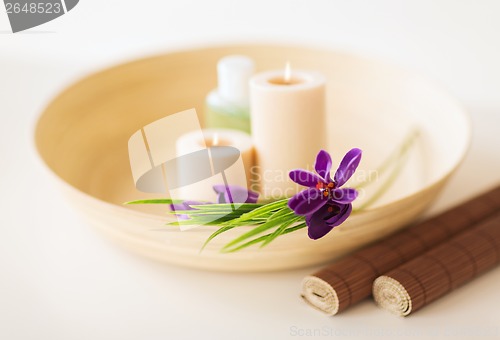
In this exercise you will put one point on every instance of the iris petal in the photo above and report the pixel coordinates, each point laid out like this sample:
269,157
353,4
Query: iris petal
347,167
252,197
219,188
294,201
317,226
305,178
338,219
323,165
344,195
238,194
307,201
186,205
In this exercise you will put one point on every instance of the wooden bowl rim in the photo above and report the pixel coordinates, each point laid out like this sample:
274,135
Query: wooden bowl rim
197,49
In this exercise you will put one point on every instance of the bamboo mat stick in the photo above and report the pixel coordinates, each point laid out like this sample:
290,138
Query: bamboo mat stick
440,270
350,280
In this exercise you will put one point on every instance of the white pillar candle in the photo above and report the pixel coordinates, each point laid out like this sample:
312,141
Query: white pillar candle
237,174
288,126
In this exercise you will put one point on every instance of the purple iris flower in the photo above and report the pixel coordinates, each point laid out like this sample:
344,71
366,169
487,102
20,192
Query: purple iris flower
325,204
236,194
185,205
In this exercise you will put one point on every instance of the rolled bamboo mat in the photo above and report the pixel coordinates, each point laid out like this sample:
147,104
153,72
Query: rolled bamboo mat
350,280
437,272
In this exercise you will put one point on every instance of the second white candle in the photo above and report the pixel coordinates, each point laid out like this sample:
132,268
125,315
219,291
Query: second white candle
288,126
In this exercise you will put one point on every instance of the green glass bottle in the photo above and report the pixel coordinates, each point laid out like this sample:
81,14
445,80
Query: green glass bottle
227,106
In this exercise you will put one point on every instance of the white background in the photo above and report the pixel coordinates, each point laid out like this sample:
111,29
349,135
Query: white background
60,280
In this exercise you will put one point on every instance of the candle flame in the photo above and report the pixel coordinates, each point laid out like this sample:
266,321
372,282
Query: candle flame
288,73
215,139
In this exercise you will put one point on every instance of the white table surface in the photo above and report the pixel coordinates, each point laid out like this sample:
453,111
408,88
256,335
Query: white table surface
59,279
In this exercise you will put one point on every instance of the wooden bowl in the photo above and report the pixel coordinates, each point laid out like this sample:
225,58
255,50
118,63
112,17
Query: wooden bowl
82,137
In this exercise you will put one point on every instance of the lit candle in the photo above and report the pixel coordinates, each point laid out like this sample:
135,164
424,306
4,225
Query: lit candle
234,172
288,126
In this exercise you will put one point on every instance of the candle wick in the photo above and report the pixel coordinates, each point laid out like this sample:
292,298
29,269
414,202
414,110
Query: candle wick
288,73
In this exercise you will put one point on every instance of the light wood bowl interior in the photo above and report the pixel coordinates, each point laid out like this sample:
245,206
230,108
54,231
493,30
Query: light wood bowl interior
82,137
